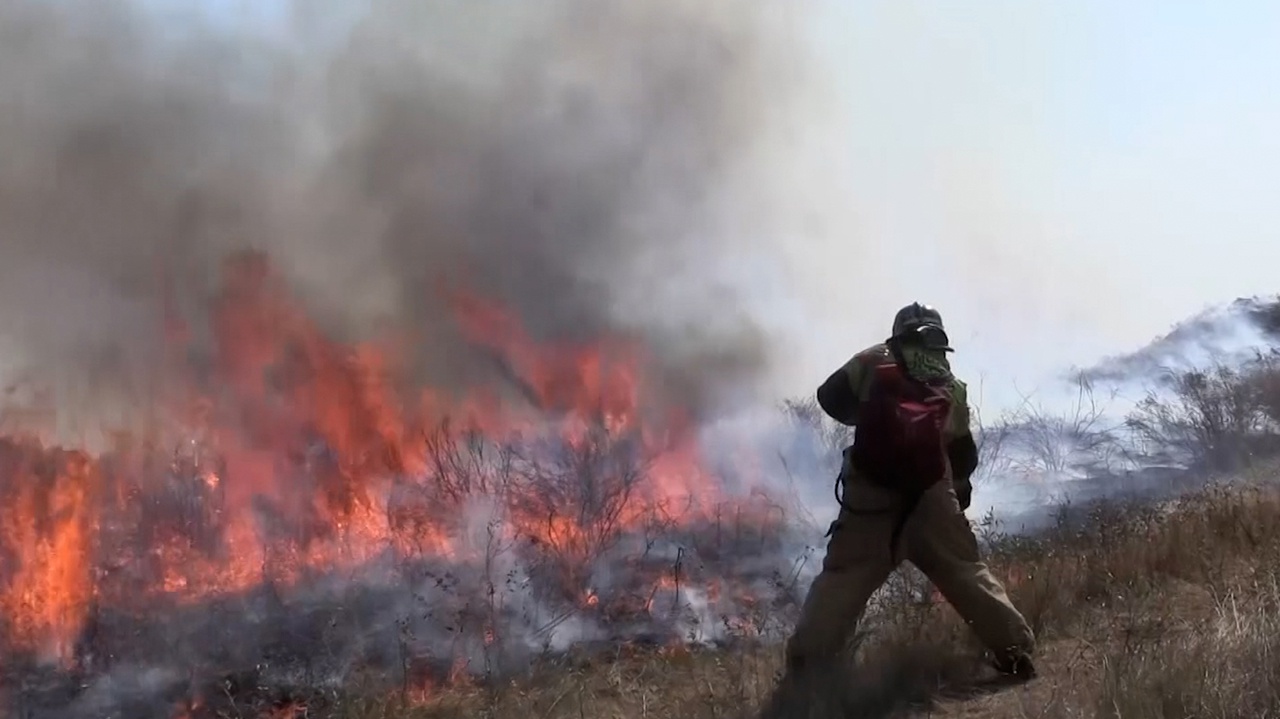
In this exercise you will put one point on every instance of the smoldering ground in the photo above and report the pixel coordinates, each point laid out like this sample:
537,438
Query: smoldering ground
574,162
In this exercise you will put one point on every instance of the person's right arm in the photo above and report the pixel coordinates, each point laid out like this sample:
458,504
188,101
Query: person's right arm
840,395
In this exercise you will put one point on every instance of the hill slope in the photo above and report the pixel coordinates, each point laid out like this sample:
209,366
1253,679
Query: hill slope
1227,332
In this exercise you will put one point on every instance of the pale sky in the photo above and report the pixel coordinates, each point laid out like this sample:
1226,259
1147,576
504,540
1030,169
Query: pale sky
1064,180
1092,171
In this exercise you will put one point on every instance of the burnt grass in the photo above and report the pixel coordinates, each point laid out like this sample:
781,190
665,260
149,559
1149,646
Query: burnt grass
1168,610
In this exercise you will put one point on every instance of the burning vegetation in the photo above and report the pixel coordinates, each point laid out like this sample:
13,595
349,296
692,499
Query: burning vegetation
298,510
327,468
322,462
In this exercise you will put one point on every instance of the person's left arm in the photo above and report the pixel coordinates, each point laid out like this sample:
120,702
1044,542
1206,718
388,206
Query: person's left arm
962,450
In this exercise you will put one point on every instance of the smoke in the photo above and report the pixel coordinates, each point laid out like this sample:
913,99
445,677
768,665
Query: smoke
575,162
1229,333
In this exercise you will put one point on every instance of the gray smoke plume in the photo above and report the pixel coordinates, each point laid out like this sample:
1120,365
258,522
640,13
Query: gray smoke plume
574,162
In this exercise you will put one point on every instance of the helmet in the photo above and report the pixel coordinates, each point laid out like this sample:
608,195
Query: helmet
922,324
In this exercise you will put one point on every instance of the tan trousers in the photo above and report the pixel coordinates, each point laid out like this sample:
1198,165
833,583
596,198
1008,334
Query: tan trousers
936,537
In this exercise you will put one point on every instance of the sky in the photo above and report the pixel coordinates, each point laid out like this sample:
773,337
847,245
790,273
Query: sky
1063,180
1088,173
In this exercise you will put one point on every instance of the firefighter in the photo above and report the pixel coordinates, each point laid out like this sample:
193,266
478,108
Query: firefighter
904,501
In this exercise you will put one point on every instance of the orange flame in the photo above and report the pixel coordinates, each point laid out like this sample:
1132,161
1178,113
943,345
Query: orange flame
320,435
46,518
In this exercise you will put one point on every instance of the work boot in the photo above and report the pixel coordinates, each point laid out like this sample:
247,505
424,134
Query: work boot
1015,664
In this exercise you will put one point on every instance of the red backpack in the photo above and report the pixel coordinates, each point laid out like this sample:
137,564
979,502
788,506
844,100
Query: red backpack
898,442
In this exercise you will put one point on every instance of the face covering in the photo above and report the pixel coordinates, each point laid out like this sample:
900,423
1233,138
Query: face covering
926,364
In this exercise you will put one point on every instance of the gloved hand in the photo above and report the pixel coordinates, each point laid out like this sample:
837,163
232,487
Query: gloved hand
964,494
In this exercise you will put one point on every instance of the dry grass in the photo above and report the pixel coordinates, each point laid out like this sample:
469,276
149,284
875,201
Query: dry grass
1142,612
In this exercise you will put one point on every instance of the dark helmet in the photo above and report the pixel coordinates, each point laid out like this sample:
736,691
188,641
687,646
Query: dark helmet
922,324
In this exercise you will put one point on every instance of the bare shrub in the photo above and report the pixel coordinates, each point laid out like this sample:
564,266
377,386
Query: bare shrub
993,460
1034,444
828,435
1208,418
1092,440
571,496
1264,374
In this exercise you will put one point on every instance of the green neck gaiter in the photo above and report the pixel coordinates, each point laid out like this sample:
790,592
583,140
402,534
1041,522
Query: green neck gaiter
926,364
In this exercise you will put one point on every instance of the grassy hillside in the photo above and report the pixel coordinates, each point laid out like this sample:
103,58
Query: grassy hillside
1142,611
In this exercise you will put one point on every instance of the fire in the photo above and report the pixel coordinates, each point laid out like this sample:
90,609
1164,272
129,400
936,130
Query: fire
47,520
299,455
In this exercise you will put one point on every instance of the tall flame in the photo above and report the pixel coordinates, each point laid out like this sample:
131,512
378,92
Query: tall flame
292,447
